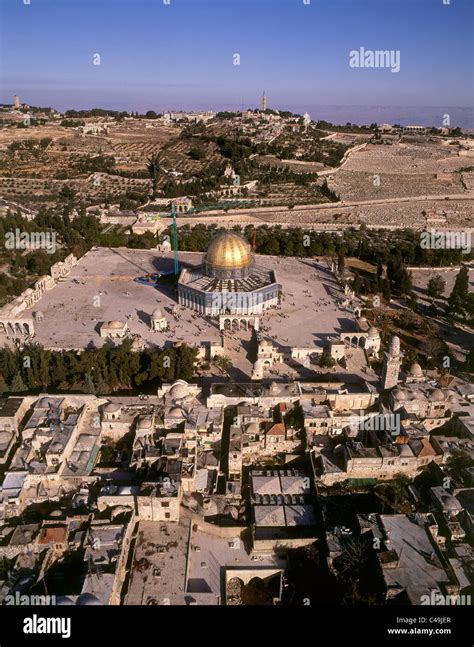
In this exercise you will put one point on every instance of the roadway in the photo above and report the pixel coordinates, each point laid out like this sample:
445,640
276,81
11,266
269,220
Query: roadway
257,214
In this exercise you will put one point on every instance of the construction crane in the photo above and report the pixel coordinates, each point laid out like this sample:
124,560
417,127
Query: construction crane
175,241
222,206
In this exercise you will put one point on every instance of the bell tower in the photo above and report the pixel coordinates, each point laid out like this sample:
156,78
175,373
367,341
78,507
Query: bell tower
392,363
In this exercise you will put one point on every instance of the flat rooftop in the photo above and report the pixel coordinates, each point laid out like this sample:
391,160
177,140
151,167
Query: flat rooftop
9,406
254,390
284,515
210,556
158,570
419,570
279,483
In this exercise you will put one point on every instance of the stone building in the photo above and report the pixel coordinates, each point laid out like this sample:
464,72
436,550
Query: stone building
113,330
228,281
12,323
392,363
159,323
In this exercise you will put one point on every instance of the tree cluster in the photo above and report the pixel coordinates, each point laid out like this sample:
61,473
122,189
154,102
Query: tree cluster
461,300
103,370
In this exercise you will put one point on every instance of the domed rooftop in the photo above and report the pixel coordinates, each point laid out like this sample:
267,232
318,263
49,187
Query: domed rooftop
111,407
373,332
64,601
437,395
399,395
5,438
180,389
156,314
415,370
175,412
252,428
228,253
115,324
145,423
88,600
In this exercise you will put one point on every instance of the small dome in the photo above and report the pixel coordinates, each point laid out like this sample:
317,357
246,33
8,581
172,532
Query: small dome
88,600
5,437
415,370
399,395
373,332
145,423
452,399
437,395
180,389
64,601
115,324
157,314
175,412
252,428
112,407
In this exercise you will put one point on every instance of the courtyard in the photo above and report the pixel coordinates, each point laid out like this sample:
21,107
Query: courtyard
102,288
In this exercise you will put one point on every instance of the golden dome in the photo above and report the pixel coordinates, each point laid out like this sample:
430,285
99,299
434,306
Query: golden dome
228,251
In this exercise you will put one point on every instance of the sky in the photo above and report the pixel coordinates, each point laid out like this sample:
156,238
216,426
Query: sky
181,55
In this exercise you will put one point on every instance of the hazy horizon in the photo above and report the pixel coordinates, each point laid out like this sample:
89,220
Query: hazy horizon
216,54
337,114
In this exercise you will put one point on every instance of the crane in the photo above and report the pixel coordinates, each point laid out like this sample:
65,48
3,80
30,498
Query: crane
175,241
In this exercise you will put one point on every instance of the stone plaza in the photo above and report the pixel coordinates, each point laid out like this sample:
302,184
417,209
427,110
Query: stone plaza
102,289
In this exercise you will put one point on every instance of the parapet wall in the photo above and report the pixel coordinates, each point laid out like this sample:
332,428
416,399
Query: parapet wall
11,322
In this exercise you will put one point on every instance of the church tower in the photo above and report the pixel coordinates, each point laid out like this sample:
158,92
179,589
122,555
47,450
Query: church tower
391,366
264,102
